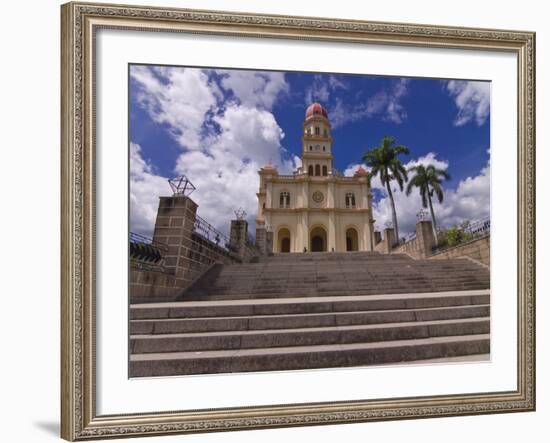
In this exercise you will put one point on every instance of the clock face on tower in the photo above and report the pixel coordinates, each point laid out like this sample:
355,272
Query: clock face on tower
317,197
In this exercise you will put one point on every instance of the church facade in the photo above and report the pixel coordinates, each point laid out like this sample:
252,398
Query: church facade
316,208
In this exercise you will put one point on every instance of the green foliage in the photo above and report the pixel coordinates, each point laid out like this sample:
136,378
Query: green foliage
457,235
385,163
428,180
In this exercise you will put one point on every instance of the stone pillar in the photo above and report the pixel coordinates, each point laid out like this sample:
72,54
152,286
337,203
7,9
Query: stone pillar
389,239
425,237
269,242
305,232
331,232
369,234
261,239
174,226
331,200
238,237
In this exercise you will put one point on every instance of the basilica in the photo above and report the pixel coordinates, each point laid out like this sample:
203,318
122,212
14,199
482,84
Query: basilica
316,208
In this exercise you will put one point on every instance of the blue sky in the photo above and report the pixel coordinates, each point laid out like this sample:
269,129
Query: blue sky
219,126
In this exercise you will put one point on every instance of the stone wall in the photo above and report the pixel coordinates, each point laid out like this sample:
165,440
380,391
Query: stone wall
479,249
420,246
385,244
189,252
423,246
152,286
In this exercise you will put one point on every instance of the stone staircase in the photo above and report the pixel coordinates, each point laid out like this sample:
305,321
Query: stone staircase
317,310
327,274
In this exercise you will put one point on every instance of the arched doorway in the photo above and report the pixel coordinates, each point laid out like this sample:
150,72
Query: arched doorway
352,240
318,239
284,240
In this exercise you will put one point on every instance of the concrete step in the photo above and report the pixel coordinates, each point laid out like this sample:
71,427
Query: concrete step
340,303
273,338
371,289
310,320
306,357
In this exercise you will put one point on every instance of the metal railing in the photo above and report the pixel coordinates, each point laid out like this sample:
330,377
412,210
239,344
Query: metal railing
479,227
210,233
145,253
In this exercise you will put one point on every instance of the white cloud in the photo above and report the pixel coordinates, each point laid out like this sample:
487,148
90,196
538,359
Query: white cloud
255,88
177,97
322,89
472,100
223,144
470,200
351,169
386,103
226,173
145,189
318,91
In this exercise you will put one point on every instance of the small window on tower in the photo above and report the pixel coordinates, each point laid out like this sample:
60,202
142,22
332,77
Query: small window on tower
325,170
317,130
310,148
325,132
310,170
317,170
350,200
324,148
284,200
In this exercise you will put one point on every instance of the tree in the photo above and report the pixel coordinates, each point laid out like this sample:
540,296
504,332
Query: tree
384,162
428,181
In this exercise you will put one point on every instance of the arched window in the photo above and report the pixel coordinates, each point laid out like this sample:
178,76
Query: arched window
325,132
317,170
310,170
324,148
317,130
325,171
310,148
284,200
350,200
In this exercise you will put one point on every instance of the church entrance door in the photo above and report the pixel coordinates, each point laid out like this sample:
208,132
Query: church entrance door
317,244
318,240
352,240
285,244
284,240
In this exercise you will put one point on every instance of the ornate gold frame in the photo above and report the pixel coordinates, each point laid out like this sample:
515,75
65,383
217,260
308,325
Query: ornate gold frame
79,420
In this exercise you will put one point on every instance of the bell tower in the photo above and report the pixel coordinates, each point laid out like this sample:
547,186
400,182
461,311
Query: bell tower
317,142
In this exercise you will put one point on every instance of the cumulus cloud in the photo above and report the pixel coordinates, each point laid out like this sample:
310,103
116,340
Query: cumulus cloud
472,100
226,173
145,189
179,98
255,88
470,200
224,141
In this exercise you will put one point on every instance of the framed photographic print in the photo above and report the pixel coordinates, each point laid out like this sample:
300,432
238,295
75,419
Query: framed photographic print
282,221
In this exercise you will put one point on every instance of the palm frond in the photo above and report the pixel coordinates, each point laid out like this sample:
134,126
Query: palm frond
438,191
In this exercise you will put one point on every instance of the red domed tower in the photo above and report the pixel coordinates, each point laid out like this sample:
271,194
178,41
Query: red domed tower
317,142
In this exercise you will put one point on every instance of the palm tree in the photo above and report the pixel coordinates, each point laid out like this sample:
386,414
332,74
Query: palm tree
384,162
428,181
